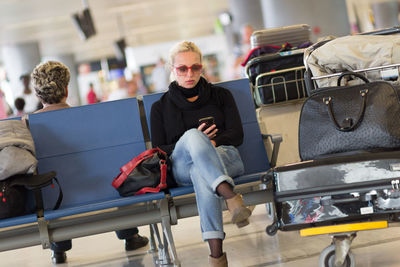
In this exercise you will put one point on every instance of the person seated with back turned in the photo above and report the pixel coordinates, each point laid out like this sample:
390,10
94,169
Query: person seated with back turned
201,155
50,81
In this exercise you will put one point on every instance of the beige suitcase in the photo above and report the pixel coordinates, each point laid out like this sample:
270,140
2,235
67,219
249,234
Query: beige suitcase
294,35
282,118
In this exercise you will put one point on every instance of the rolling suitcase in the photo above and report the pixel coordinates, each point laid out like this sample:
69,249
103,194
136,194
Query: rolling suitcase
294,35
277,77
336,190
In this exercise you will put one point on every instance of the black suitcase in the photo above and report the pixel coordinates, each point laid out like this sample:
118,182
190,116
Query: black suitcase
336,190
277,77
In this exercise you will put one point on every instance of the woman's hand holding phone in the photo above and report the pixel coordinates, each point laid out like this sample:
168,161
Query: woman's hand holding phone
208,127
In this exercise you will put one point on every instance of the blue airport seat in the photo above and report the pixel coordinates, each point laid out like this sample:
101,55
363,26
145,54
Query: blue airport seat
20,220
148,101
89,143
118,202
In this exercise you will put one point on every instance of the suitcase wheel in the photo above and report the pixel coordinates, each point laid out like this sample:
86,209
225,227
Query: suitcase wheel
396,217
272,229
327,258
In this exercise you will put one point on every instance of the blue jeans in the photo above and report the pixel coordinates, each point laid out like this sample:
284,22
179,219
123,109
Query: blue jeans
195,161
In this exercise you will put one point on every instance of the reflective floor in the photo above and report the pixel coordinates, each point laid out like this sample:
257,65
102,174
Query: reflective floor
249,246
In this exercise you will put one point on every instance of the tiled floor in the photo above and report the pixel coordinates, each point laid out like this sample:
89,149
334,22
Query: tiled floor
249,246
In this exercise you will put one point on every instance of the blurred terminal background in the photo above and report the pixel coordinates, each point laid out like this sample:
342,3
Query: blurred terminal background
112,45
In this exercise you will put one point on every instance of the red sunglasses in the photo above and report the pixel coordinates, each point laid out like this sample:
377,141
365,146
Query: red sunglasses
183,70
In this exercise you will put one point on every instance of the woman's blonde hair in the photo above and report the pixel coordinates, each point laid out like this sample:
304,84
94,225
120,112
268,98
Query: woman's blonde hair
184,46
50,81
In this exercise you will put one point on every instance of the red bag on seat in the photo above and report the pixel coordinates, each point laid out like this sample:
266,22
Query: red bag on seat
146,173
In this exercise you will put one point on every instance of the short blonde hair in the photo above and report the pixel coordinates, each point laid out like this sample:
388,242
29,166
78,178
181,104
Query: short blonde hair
181,47
50,80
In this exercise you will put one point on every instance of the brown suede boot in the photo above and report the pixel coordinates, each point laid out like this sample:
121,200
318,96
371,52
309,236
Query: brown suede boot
238,210
218,262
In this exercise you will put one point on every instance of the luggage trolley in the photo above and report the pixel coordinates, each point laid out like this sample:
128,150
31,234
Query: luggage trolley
357,206
277,77
337,196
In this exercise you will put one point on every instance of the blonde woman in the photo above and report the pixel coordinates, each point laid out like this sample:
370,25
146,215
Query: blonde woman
203,155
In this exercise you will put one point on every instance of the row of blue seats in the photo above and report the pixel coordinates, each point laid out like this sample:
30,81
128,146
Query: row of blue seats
87,145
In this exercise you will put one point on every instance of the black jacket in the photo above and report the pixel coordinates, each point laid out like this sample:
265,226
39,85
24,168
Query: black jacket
172,115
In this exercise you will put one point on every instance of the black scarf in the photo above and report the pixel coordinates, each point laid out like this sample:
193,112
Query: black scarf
179,95
175,102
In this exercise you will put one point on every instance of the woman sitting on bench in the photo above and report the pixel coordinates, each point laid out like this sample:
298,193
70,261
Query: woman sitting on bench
198,125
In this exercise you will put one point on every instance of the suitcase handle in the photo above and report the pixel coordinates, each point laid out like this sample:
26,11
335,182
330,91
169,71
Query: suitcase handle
348,124
350,73
329,201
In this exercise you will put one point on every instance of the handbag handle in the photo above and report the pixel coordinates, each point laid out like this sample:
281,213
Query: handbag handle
128,168
350,73
163,181
328,102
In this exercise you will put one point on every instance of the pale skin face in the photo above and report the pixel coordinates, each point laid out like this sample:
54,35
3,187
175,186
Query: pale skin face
189,81
189,59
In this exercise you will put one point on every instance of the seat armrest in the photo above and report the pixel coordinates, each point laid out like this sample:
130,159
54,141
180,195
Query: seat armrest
276,140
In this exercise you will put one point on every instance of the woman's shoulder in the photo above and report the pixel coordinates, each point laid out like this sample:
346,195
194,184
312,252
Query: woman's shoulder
163,99
159,104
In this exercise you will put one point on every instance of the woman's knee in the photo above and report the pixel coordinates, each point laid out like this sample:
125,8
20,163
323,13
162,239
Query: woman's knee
189,140
195,140
192,135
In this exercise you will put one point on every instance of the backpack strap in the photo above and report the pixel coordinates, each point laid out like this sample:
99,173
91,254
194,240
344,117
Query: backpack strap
35,183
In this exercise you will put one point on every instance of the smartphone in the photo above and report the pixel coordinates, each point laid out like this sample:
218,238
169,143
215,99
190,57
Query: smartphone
207,120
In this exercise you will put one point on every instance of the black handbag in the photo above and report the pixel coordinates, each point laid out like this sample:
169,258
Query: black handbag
13,198
146,173
354,118
14,193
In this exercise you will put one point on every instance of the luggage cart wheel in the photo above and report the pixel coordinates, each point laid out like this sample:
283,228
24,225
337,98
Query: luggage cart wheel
272,229
327,258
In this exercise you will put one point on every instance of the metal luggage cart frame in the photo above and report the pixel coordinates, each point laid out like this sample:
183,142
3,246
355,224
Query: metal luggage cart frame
338,252
392,73
279,81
